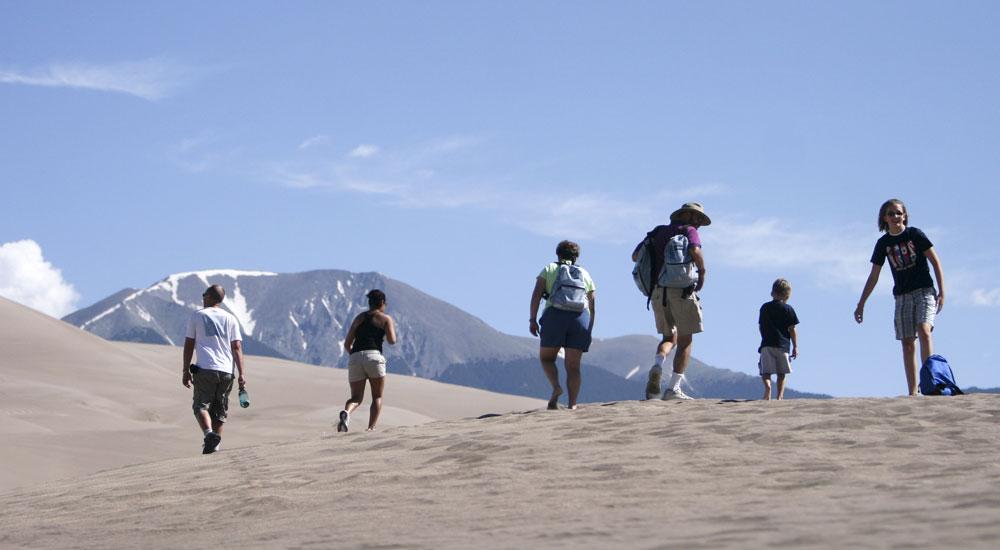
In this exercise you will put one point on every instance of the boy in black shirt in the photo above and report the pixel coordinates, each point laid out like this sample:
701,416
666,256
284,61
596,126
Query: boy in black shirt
778,340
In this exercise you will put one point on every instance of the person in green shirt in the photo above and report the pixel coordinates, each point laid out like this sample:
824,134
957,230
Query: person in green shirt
567,321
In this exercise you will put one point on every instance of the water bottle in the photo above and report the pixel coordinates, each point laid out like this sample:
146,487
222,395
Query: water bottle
244,397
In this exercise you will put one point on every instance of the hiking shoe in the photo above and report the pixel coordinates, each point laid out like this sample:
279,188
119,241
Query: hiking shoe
653,385
345,419
671,395
212,442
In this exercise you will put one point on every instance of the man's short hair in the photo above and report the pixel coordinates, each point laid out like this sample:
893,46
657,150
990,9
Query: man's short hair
781,288
215,293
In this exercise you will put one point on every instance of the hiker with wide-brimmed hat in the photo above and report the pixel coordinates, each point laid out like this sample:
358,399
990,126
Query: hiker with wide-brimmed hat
678,261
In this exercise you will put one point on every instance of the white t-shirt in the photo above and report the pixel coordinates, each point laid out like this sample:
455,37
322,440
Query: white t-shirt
213,330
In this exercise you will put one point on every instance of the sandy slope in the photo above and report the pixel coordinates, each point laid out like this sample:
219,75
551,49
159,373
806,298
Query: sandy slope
907,472
72,403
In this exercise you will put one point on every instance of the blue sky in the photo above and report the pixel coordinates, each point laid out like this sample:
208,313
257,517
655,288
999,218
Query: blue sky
450,145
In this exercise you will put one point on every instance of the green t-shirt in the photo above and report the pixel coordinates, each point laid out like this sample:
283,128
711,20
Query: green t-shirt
549,272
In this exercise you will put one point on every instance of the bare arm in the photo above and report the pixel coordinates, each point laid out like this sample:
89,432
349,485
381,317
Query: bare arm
390,330
932,257
859,312
349,339
699,262
536,299
795,341
237,348
188,354
593,310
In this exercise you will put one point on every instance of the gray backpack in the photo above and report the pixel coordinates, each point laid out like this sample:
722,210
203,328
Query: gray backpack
569,291
678,268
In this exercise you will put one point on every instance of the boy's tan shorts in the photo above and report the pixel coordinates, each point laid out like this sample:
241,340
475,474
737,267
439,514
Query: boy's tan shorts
678,312
365,364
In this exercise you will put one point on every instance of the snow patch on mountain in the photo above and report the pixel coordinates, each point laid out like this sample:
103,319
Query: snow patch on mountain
237,305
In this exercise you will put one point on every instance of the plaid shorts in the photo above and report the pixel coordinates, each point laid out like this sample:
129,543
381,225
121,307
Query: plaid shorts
912,310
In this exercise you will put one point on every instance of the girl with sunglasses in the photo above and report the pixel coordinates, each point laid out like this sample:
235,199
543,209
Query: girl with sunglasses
917,303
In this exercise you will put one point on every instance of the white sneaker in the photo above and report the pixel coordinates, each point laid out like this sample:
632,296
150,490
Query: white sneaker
345,419
653,385
670,395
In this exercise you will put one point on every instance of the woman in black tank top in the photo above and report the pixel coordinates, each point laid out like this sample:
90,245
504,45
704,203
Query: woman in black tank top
369,335
364,343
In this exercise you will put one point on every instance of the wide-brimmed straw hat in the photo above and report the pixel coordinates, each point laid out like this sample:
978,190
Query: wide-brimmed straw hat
695,207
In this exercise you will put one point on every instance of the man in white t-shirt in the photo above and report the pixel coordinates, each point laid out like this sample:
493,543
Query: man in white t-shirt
214,334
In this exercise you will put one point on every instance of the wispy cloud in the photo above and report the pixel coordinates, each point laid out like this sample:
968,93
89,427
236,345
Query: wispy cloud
150,79
313,141
986,297
201,153
363,151
837,257
27,278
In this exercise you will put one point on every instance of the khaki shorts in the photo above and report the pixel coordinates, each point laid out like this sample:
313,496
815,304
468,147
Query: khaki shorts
684,314
365,364
774,361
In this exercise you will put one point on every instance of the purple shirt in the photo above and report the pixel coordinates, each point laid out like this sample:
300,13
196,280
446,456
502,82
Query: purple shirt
662,233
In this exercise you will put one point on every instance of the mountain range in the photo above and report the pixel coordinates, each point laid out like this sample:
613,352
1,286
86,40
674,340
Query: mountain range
304,317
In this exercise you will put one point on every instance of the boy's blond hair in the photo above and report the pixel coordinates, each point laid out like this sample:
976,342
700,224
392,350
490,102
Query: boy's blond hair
781,289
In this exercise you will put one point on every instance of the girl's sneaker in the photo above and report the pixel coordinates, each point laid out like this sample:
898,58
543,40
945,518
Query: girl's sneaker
345,419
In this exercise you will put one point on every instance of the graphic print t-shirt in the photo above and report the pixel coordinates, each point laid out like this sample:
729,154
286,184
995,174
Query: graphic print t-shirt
775,320
907,262
213,330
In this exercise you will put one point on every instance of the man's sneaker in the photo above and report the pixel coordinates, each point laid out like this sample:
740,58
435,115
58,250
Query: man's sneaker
653,385
345,419
670,395
212,441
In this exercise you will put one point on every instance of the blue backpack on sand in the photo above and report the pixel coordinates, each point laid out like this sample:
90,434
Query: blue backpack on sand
936,377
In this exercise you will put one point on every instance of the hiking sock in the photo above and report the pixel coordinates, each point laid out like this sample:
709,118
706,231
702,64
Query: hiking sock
206,431
659,359
675,381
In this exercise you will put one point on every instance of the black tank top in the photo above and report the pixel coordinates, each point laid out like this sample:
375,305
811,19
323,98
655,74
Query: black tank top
368,336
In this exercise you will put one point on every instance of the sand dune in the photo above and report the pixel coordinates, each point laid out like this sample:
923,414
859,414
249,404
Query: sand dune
100,450
72,403
903,472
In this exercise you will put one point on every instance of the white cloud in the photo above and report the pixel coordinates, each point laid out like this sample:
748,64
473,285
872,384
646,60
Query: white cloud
202,153
984,297
363,151
835,256
149,79
315,140
26,278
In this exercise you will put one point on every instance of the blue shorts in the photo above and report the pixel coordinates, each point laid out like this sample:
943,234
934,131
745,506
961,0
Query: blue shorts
565,329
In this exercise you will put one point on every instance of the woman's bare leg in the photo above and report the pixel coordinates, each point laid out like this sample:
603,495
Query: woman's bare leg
547,356
378,385
357,396
572,361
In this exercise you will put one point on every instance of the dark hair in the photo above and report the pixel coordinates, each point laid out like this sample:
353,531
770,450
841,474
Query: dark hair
216,293
568,250
882,224
781,287
375,298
